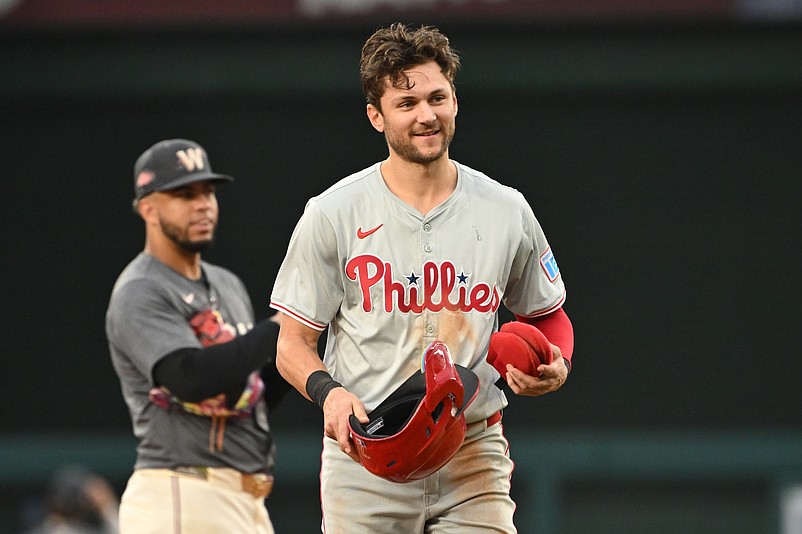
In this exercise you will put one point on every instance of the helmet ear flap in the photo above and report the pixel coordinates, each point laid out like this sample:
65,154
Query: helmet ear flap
442,378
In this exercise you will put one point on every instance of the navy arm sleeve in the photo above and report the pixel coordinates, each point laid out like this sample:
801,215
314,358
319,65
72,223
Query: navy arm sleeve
193,374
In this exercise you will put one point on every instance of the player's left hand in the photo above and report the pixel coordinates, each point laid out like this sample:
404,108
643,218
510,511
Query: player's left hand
552,377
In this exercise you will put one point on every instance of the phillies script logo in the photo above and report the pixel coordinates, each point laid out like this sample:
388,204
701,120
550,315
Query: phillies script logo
439,287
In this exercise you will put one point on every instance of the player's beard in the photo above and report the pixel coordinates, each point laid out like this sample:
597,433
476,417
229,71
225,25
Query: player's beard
406,149
179,236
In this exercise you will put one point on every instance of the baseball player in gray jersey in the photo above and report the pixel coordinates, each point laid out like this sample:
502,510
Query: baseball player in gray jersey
415,249
194,370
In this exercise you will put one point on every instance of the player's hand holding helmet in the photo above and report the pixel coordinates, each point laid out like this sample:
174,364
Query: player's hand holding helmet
419,427
519,344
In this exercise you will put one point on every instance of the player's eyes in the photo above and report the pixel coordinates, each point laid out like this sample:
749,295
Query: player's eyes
181,193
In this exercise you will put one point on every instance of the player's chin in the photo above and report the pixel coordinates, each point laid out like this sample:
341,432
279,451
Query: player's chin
434,149
429,155
198,245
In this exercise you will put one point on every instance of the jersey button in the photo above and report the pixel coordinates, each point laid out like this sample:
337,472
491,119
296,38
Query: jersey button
427,227
427,247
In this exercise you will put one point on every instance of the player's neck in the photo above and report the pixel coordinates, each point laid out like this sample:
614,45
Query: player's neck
182,261
422,186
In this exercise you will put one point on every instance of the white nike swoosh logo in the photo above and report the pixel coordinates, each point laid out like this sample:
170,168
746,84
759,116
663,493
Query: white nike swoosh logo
188,298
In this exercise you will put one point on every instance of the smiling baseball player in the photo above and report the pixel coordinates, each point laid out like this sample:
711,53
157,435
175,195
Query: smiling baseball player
410,251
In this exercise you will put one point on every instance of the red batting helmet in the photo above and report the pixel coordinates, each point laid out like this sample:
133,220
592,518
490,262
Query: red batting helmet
420,426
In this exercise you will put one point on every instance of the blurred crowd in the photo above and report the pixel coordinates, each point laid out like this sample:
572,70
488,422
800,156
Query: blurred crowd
75,501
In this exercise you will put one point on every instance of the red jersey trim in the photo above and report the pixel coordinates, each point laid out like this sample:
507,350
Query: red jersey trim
311,324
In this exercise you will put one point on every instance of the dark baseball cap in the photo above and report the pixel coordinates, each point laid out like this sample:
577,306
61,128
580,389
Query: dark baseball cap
170,164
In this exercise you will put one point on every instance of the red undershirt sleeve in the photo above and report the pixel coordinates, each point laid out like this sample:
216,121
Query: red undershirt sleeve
557,328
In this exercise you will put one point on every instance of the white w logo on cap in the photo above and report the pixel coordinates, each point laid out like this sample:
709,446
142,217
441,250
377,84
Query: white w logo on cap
191,159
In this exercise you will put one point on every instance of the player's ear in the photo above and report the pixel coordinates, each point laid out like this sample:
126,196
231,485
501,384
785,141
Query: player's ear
456,106
375,117
145,208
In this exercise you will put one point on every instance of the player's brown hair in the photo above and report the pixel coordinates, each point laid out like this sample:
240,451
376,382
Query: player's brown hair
389,51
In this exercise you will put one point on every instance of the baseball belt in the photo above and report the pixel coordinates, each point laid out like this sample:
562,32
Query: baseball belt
493,419
257,484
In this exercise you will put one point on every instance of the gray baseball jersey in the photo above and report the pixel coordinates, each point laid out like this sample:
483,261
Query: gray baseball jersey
389,281
147,319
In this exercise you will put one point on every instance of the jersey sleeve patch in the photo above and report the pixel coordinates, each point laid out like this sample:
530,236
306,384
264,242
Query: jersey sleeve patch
549,265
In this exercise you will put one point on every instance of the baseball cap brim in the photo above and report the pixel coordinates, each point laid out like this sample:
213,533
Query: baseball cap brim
470,385
192,178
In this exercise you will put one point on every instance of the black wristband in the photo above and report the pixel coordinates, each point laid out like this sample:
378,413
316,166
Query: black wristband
319,385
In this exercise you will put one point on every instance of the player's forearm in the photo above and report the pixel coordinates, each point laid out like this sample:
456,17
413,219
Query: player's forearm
195,374
296,359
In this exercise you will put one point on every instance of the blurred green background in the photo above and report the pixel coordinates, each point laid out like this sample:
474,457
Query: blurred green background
661,152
